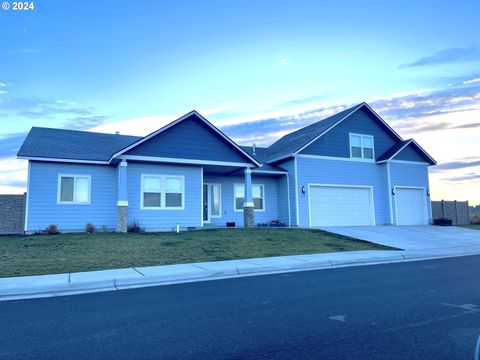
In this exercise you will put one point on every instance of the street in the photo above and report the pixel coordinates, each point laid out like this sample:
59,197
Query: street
416,310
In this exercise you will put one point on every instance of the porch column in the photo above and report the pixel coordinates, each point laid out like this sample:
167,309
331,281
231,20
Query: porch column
122,202
248,213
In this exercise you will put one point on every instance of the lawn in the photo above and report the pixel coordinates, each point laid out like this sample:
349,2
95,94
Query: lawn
41,254
472,226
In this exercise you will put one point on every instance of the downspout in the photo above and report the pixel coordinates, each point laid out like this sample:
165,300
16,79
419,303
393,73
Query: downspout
389,183
296,193
288,199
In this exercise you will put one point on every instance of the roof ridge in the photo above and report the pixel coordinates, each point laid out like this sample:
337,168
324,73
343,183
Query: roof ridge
82,131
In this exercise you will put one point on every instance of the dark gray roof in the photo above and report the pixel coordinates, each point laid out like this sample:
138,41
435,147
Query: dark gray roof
72,144
392,151
292,142
261,156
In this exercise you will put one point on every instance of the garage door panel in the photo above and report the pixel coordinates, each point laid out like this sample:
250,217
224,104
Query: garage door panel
410,206
340,206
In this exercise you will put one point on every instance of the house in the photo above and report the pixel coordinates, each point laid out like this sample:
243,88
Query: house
351,168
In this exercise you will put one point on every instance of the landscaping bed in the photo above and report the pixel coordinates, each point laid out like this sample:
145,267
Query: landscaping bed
42,254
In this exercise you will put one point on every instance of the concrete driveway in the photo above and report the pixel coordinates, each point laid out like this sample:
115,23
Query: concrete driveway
413,237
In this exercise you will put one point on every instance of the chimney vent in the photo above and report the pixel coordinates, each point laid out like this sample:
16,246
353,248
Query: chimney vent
117,132
253,149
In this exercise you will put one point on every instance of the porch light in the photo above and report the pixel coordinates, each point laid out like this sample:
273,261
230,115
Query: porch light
393,191
303,189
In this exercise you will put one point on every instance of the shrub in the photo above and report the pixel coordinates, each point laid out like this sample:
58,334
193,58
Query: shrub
52,229
90,228
475,218
135,227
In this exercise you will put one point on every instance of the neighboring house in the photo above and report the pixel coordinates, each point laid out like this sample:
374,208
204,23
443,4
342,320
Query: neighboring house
351,168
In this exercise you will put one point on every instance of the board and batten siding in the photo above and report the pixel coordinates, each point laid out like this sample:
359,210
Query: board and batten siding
227,192
189,139
409,154
165,219
289,165
43,209
338,172
336,142
410,175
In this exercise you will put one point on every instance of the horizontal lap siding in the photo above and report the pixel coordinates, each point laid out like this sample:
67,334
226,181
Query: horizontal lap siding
190,139
410,154
336,142
319,171
282,199
228,213
42,198
153,220
414,175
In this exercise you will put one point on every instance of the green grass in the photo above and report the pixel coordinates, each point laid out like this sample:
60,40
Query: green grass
41,254
472,226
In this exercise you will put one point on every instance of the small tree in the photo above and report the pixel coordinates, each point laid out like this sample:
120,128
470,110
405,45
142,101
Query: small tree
52,229
90,228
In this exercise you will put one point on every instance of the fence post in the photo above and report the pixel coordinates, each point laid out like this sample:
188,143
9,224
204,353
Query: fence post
443,210
456,212
468,213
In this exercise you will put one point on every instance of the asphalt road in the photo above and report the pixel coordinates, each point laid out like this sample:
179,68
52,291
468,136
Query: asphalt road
418,310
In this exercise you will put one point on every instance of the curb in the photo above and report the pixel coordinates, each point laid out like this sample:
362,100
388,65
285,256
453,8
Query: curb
61,284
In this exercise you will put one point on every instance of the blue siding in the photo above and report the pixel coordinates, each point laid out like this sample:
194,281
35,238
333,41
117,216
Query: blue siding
410,153
228,213
414,175
154,220
42,203
189,139
289,165
337,142
319,171
282,200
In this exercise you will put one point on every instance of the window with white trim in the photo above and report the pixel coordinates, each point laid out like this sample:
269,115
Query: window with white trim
258,195
73,189
361,146
162,192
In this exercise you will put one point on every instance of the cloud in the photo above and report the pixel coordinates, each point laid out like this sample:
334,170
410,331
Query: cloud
284,61
13,175
34,108
467,126
475,80
466,177
453,165
84,123
446,56
10,144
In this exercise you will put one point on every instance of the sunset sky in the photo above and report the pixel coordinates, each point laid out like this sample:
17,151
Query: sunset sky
256,69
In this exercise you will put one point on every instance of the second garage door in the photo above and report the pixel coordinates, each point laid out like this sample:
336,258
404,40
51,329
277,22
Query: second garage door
341,206
410,206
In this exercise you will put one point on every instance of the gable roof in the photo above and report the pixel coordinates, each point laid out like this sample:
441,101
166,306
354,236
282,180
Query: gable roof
397,148
260,155
72,145
179,120
291,144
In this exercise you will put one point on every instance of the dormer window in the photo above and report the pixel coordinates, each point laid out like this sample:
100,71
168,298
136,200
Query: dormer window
361,146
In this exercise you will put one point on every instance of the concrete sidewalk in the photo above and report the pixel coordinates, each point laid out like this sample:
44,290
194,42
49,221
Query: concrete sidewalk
108,280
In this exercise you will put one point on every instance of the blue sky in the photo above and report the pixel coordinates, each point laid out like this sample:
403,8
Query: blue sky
257,69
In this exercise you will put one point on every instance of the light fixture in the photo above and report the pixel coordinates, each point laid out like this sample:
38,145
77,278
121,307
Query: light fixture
393,191
303,189
428,192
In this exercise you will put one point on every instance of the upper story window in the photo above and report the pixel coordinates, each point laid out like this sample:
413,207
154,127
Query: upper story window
361,146
73,189
258,196
162,192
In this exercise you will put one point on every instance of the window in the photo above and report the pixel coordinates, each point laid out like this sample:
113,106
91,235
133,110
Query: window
258,195
215,199
73,189
162,192
361,146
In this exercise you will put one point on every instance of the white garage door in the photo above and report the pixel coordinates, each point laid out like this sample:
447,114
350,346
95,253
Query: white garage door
410,206
340,206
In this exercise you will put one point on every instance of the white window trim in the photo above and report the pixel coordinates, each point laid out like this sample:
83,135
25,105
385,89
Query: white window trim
210,216
59,187
162,178
235,202
361,146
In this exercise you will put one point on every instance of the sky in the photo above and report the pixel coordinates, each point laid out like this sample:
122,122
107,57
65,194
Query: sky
256,69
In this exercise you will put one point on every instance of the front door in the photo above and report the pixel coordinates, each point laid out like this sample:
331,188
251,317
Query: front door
206,215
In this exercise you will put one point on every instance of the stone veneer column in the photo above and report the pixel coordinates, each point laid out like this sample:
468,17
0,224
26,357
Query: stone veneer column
248,206
122,203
